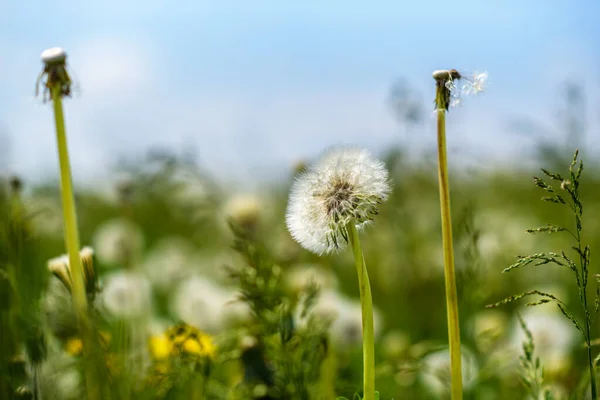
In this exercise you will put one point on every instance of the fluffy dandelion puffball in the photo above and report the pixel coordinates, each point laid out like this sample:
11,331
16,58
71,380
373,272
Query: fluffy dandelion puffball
345,185
126,294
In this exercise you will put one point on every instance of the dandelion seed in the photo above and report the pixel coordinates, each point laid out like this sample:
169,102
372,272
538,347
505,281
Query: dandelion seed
345,184
473,84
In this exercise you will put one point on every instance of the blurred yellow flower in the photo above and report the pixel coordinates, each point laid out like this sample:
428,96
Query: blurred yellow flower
181,338
74,346
160,347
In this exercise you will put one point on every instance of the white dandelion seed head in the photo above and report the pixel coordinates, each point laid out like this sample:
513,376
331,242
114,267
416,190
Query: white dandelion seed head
345,316
553,335
435,371
345,184
57,306
169,262
244,208
126,294
118,242
206,305
474,84
59,375
299,277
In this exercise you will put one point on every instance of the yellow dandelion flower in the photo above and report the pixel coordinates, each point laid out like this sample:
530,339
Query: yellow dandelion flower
160,347
74,346
208,346
193,347
190,340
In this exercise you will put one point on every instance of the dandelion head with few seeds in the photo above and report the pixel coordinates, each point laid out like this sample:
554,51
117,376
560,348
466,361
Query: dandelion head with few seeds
346,184
459,85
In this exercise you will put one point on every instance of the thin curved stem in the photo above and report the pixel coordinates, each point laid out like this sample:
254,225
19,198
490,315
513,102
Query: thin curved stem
366,302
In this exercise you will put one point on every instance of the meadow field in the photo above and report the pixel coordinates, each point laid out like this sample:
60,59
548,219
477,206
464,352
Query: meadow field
197,290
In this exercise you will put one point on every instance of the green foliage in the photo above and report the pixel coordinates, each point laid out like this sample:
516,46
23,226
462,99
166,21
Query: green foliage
573,201
295,352
532,372
358,397
292,351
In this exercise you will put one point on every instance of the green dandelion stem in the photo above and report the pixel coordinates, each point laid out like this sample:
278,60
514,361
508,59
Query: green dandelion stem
72,241
449,274
366,302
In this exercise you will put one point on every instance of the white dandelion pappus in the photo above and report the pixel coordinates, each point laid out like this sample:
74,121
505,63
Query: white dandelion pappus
435,371
126,294
345,184
345,316
473,84
200,302
118,242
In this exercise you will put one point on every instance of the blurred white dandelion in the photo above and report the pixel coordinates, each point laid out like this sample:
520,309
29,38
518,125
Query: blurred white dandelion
59,377
58,310
118,242
489,327
435,371
553,335
206,305
300,276
47,215
345,184
244,208
168,263
126,294
345,316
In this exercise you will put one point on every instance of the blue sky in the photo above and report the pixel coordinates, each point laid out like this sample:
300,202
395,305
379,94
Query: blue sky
255,86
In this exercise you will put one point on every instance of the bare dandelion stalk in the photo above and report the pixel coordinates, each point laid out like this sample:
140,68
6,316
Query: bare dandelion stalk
443,97
366,302
58,83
